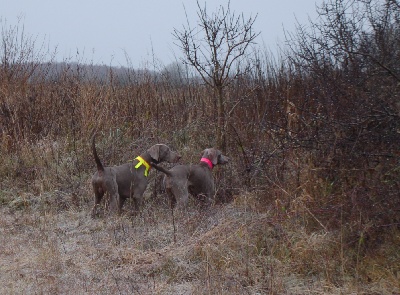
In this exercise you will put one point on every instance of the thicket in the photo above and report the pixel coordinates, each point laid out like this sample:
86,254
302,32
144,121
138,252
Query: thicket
314,134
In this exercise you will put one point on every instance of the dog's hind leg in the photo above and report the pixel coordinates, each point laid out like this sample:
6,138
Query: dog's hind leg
98,195
112,189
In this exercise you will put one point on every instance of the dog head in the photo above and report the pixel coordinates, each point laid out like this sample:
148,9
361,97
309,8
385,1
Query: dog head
215,156
162,153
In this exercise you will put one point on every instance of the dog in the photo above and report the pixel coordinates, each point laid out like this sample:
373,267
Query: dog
128,180
194,179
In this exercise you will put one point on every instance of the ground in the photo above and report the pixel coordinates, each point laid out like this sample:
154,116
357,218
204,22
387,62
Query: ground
227,249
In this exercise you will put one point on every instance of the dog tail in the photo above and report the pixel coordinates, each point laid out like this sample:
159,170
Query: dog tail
162,169
96,157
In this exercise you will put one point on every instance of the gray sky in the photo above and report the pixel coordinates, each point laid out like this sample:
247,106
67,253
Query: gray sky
103,31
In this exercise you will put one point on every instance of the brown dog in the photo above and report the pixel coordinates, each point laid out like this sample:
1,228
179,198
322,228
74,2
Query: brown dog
127,180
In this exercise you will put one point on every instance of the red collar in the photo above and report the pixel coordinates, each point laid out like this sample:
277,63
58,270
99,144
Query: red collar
205,160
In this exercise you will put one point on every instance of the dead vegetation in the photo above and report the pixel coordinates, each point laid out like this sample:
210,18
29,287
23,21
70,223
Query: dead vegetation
50,244
308,205
230,249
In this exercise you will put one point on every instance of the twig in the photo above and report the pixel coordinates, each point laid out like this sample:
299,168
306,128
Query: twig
173,223
320,223
116,282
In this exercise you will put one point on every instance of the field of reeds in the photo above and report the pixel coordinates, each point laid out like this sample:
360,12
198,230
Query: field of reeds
309,203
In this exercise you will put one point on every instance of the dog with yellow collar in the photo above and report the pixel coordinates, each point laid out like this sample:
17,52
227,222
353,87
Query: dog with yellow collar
127,180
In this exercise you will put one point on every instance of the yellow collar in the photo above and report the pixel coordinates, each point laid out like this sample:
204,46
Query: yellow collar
143,162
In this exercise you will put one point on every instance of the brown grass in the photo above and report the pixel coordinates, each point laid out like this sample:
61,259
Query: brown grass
229,249
49,243
308,204
280,225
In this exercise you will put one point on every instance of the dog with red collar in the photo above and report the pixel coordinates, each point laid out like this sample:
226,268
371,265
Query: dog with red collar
194,179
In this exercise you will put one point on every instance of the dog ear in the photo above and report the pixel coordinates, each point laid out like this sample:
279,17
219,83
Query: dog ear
154,152
203,154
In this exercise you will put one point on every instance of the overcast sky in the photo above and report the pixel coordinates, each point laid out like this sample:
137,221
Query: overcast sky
103,31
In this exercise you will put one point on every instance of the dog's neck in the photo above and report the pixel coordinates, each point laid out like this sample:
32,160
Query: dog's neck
208,162
145,156
145,160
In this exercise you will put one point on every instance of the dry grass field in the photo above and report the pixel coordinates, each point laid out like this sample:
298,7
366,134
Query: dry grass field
229,249
49,244
308,204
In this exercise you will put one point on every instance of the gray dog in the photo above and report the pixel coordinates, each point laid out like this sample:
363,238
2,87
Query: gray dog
127,180
197,180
